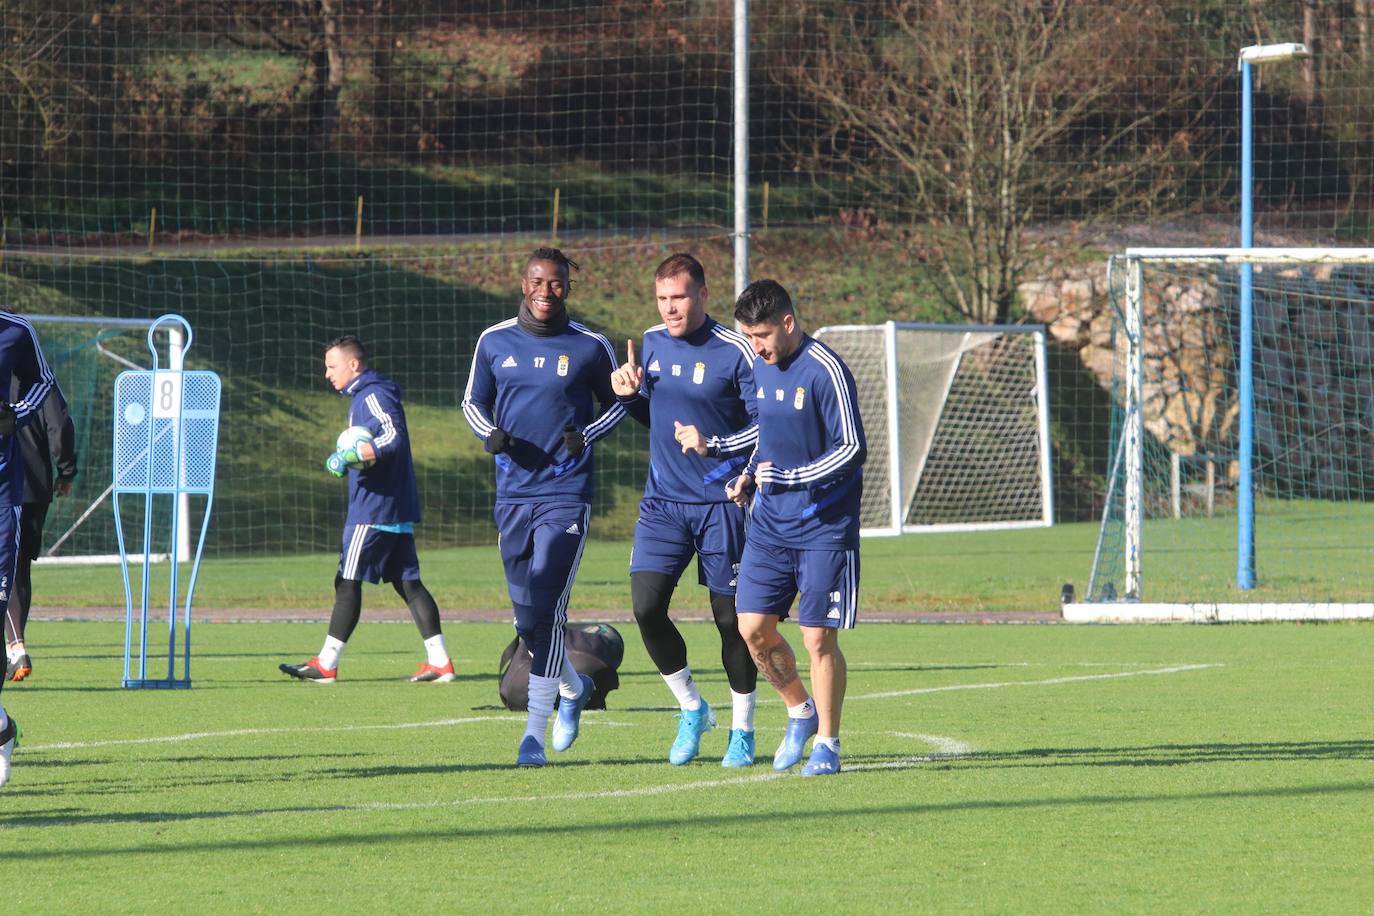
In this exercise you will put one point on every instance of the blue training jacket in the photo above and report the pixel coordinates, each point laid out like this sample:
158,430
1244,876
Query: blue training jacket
704,379
810,429
385,493
21,359
533,387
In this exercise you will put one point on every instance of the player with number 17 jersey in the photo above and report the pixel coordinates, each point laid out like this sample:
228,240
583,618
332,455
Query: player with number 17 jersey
534,388
539,397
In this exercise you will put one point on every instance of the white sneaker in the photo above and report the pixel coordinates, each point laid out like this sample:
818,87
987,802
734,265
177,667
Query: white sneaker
9,738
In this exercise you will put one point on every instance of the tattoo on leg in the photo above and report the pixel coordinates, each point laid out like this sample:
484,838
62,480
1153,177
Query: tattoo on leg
778,665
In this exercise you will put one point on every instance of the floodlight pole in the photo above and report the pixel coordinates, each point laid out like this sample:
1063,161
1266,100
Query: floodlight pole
1245,496
741,163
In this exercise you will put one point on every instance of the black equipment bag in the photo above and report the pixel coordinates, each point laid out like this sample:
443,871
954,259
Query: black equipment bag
596,650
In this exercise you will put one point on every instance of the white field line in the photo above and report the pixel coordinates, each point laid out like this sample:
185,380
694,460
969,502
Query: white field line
926,664
945,748
240,732
994,685
475,720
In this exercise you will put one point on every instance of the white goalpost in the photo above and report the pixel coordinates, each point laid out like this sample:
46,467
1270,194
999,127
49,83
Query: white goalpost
957,422
1251,369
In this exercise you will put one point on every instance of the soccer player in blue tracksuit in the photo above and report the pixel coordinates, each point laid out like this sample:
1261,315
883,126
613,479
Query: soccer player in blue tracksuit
51,437
804,528
538,396
696,389
383,508
20,358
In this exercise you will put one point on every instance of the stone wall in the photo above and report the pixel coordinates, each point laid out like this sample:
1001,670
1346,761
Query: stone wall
1314,367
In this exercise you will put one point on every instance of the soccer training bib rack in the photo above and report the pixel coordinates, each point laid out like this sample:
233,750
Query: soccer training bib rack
166,430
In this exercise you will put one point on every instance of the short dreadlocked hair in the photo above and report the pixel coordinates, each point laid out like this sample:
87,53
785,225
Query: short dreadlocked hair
554,255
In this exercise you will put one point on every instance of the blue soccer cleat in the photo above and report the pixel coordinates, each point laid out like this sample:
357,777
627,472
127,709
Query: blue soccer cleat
799,731
692,724
824,761
569,720
740,753
531,754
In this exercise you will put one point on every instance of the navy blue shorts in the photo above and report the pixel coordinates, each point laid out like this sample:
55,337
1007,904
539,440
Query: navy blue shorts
668,533
828,580
369,555
541,545
9,553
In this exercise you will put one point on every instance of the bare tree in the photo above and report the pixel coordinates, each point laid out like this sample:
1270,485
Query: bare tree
311,30
49,97
1309,87
1360,12
982,115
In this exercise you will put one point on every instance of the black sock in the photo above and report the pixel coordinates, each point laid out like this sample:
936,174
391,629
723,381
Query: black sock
348,607
734,652
650,593
423,609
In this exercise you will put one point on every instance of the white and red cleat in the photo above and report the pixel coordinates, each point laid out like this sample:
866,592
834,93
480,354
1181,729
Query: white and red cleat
429,674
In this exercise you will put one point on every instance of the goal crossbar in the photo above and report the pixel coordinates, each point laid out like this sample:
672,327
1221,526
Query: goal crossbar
1255,255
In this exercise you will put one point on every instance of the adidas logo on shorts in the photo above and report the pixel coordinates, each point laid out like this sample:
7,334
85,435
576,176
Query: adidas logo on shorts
573,529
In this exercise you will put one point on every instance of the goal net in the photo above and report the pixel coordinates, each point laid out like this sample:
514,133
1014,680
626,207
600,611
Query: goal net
1241,484
261,323
957,422
86,353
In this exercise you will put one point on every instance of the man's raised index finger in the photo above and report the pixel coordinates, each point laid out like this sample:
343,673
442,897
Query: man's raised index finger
630,348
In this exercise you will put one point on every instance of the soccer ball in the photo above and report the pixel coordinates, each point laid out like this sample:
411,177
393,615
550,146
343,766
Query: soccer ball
348,443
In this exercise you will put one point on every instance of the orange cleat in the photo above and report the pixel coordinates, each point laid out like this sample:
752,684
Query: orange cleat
16,669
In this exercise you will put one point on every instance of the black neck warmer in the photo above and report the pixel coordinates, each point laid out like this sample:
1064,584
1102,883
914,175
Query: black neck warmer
531,325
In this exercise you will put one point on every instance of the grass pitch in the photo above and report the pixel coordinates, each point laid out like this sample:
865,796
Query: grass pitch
998,570
987,768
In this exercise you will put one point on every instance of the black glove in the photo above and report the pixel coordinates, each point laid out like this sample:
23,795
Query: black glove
497,441
7,419
574,440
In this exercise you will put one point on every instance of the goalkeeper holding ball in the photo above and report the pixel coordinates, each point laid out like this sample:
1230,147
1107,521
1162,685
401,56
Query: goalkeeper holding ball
379,532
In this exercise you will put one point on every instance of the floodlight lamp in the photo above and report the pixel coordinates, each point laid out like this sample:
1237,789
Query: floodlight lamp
1261,54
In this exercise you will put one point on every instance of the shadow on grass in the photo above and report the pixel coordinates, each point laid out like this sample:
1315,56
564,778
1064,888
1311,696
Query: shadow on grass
613,819
1168,755
135,786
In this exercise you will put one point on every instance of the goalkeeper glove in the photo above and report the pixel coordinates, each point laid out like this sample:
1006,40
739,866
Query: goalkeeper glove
8,421
574,440
497,441
336,464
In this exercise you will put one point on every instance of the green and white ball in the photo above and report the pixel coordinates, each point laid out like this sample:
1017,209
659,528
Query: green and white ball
348,442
